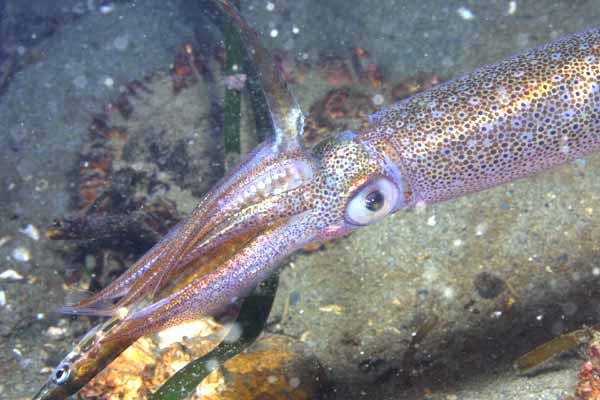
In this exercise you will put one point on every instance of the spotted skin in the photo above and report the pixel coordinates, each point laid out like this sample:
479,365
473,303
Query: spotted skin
314,211
503,122
500,123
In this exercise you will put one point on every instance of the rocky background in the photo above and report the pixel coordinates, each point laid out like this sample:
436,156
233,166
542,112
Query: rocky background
430,304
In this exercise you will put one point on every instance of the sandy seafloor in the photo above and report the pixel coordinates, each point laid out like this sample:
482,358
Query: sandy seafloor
356,303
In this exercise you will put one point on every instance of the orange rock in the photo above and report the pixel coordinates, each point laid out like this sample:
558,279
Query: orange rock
273,368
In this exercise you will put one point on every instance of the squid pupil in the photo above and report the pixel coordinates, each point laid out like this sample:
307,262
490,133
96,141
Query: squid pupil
374,201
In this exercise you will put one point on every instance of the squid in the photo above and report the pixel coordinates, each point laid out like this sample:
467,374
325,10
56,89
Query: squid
502,122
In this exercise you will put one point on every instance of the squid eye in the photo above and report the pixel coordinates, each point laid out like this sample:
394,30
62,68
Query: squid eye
372,202
61,374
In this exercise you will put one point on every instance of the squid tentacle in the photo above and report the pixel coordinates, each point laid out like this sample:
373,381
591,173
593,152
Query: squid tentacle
214,292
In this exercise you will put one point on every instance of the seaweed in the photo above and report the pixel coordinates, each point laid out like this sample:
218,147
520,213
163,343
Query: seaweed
255,309
238,64
234,61
251,319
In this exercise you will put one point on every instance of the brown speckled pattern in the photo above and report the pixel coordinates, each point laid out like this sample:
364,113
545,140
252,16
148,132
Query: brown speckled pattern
344,165
500,123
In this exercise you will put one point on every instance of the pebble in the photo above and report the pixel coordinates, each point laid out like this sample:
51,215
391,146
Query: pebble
431,221
56,331
108,82
11,275
21,254
2,298
481,229
512,7
378,99
107,8
465,13
4,240
31,231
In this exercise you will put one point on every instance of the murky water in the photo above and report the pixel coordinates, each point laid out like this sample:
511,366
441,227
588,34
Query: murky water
94,111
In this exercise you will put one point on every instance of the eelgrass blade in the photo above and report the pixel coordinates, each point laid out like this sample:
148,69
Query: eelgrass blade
251,320
234,65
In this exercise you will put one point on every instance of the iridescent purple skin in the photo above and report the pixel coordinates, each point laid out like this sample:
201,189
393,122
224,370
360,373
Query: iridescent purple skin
502,122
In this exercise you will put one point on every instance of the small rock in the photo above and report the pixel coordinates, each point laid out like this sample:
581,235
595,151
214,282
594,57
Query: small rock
4,240
465,13
481,229
107,8
56,331
11,275
21,254
431,221
31,231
